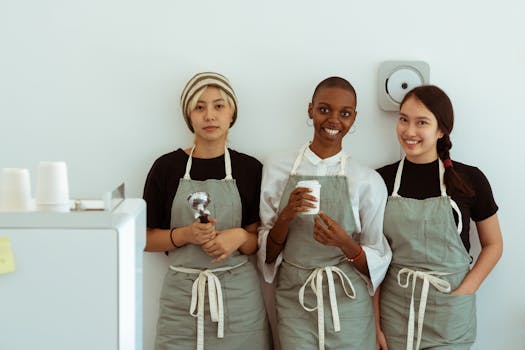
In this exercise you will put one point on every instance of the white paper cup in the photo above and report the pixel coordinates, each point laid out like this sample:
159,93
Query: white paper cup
315,188
52,188
15,190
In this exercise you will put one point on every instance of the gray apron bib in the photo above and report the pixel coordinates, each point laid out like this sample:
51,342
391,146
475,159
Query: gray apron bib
300,288
233,315
429,260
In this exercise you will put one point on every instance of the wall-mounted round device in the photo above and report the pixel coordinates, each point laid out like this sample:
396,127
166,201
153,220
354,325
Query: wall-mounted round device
396,78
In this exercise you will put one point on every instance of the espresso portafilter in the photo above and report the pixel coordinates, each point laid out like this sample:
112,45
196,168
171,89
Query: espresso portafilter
198,202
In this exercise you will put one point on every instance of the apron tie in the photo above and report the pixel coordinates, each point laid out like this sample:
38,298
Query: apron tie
316,284
215,298
429,277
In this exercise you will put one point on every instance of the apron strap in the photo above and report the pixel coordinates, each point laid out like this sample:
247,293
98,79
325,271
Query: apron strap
215,298
343,164
429,277
456,209
188,165
442,188
227,164
316,284
444,194
397,181
298,160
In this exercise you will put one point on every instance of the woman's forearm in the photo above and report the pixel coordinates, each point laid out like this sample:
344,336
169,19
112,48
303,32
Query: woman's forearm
352,249
249,247
375,303
276,240
159,240
491,249
487,259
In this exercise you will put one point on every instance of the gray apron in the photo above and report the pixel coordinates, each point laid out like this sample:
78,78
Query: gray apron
306,262
429,260
234,316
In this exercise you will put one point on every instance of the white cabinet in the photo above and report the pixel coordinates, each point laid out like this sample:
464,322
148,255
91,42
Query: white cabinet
78,280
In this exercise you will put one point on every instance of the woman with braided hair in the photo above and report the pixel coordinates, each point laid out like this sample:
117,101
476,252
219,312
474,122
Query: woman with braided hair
427,299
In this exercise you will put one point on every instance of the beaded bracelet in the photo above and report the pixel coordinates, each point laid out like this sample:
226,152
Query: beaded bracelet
171,238
357,256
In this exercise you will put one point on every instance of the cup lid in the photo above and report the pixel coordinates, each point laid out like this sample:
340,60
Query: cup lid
308,183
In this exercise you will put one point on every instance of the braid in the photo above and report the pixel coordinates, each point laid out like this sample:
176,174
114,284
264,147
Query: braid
453,181
443,147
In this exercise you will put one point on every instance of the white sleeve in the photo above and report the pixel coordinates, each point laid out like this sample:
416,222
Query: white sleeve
372,201
274,178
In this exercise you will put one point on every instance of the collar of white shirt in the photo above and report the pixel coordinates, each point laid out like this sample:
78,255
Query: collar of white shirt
316,160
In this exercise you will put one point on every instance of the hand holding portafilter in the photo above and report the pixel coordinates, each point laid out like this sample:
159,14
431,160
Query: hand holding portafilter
199,202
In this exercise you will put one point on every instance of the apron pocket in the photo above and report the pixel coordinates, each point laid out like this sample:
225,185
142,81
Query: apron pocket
332,207
289,281
174,312
412,240
243,302
453,318
349,309
436,245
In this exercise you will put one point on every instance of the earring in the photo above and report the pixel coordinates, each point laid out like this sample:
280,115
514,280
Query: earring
309,121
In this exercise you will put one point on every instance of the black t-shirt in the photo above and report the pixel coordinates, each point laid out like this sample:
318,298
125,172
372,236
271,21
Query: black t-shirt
415,182
163,180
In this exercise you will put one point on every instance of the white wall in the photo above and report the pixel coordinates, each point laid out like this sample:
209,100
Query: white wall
96,83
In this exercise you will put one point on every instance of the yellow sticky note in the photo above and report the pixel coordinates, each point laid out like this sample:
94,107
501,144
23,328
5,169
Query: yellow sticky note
7,262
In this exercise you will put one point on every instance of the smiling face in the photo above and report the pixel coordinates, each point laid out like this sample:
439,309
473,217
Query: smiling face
333,113
212,116
418,132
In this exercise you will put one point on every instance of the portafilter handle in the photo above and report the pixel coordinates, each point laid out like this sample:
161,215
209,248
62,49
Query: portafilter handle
203,218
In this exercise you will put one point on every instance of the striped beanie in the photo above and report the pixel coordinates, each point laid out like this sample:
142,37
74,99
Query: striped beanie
199,81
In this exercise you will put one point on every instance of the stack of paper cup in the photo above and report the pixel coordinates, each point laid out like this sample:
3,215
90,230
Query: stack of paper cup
52,188
15,190
315,188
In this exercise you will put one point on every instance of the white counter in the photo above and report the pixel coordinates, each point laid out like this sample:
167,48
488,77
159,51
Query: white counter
78,279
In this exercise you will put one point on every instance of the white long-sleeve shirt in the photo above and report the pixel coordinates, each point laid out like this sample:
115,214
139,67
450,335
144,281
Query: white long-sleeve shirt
367,193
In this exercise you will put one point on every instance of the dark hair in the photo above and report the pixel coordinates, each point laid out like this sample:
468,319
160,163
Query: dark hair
335,82
437,102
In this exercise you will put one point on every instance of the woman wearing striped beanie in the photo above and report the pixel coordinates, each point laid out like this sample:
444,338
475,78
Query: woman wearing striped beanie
207,250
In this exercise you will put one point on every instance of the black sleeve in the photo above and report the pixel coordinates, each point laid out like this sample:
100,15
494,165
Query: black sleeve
484,205
155,197
252,208
160,188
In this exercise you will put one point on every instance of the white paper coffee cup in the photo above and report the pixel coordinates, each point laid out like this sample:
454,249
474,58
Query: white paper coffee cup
52,189
315,188
15,190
